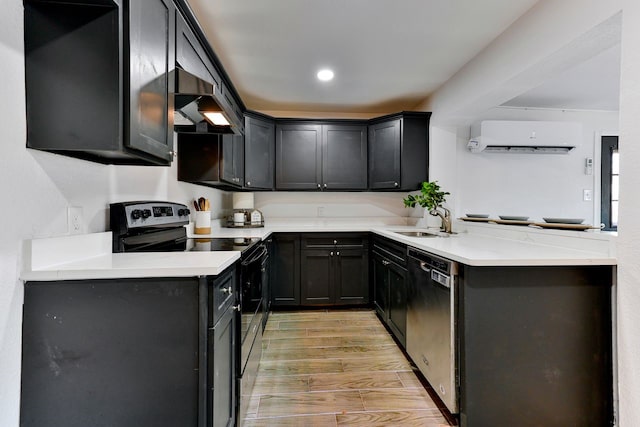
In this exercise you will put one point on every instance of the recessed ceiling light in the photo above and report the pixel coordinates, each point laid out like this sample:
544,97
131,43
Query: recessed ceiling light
325,75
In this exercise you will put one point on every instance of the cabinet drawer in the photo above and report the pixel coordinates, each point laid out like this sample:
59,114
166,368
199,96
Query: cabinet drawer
341,240
222,291
396,252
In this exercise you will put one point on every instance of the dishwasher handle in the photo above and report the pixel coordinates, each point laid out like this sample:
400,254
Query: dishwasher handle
424,267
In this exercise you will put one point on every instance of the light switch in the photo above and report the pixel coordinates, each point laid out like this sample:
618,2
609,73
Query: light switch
587,196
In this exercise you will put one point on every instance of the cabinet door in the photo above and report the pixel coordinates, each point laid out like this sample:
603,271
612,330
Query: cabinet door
191,56
222,374
298,157
352,276
259,146
151,60
397,302
233,159
384,155
316,276
380,286
344,157
285,283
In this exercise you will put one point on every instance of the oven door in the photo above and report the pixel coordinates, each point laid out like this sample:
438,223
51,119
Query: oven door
250,301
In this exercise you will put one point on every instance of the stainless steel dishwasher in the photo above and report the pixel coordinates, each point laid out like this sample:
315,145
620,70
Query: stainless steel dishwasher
431,322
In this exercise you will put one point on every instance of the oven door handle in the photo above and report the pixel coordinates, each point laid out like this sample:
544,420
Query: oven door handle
255,258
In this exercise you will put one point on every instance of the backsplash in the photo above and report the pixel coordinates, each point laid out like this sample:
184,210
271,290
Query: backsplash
322,206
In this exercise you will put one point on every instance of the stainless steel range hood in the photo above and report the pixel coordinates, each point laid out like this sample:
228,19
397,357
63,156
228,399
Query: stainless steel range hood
201,108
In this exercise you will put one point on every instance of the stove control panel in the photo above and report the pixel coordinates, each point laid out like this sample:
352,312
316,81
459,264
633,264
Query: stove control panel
155,214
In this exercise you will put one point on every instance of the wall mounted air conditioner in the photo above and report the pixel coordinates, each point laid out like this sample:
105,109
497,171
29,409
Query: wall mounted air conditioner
535,137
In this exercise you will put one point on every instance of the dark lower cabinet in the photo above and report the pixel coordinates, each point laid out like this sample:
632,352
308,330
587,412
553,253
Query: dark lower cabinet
285,268
222,346
390,285
320,269
317,279
112,352
334,269
535,346
129,352
352,276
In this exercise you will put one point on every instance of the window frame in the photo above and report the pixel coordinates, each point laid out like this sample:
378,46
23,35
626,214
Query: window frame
608,146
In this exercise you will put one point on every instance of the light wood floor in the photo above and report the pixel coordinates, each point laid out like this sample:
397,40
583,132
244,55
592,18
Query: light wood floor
336,368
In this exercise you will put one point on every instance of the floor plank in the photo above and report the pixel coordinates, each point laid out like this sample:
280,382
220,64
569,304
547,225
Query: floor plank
336,368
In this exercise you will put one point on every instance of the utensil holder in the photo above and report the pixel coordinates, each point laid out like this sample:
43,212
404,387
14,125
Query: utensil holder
202,222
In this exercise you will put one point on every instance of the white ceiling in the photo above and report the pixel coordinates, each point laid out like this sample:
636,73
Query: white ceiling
387,55
591,85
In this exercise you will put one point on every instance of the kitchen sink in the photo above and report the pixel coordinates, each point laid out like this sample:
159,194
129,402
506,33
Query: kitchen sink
417,234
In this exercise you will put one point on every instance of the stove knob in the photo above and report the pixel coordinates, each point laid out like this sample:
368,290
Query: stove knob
136,214
187,211
146,213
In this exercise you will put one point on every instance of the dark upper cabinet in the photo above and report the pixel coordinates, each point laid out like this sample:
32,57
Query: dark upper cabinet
98,81
399,151
259,152
384,154
344,157
298,156
321,156
233,159
190,54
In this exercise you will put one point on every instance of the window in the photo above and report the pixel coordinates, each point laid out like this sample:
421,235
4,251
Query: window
610,186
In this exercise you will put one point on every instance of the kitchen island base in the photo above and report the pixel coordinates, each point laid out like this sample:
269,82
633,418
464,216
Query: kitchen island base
536,346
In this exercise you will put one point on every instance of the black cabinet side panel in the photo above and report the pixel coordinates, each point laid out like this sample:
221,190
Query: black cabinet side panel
415,152
75,103
536,346
110,353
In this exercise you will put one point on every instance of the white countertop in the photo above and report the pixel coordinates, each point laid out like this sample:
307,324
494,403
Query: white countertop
89,256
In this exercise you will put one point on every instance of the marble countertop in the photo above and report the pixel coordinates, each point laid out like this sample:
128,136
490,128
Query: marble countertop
89,256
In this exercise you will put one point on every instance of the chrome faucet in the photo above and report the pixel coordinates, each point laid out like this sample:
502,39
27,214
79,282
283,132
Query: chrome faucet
445,217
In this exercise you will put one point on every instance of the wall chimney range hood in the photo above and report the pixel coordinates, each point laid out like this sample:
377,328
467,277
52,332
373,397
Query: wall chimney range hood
526,137
201,108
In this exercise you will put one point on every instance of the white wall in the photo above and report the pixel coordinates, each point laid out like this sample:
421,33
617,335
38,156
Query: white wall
629,224
38,187
534,185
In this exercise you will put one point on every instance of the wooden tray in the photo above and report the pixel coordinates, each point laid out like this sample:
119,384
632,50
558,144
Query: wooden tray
466,218
512,222
559,226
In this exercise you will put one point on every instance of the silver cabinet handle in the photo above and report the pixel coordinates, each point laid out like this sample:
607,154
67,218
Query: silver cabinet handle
338,253
335,242
236,307
385,262
227,290
248,183
319,186
325,186
395,184
173,154
331,253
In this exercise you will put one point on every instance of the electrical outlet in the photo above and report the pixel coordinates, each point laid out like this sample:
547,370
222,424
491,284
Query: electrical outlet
587,196
74,220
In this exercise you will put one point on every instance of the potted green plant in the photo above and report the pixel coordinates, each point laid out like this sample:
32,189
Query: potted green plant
431,198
